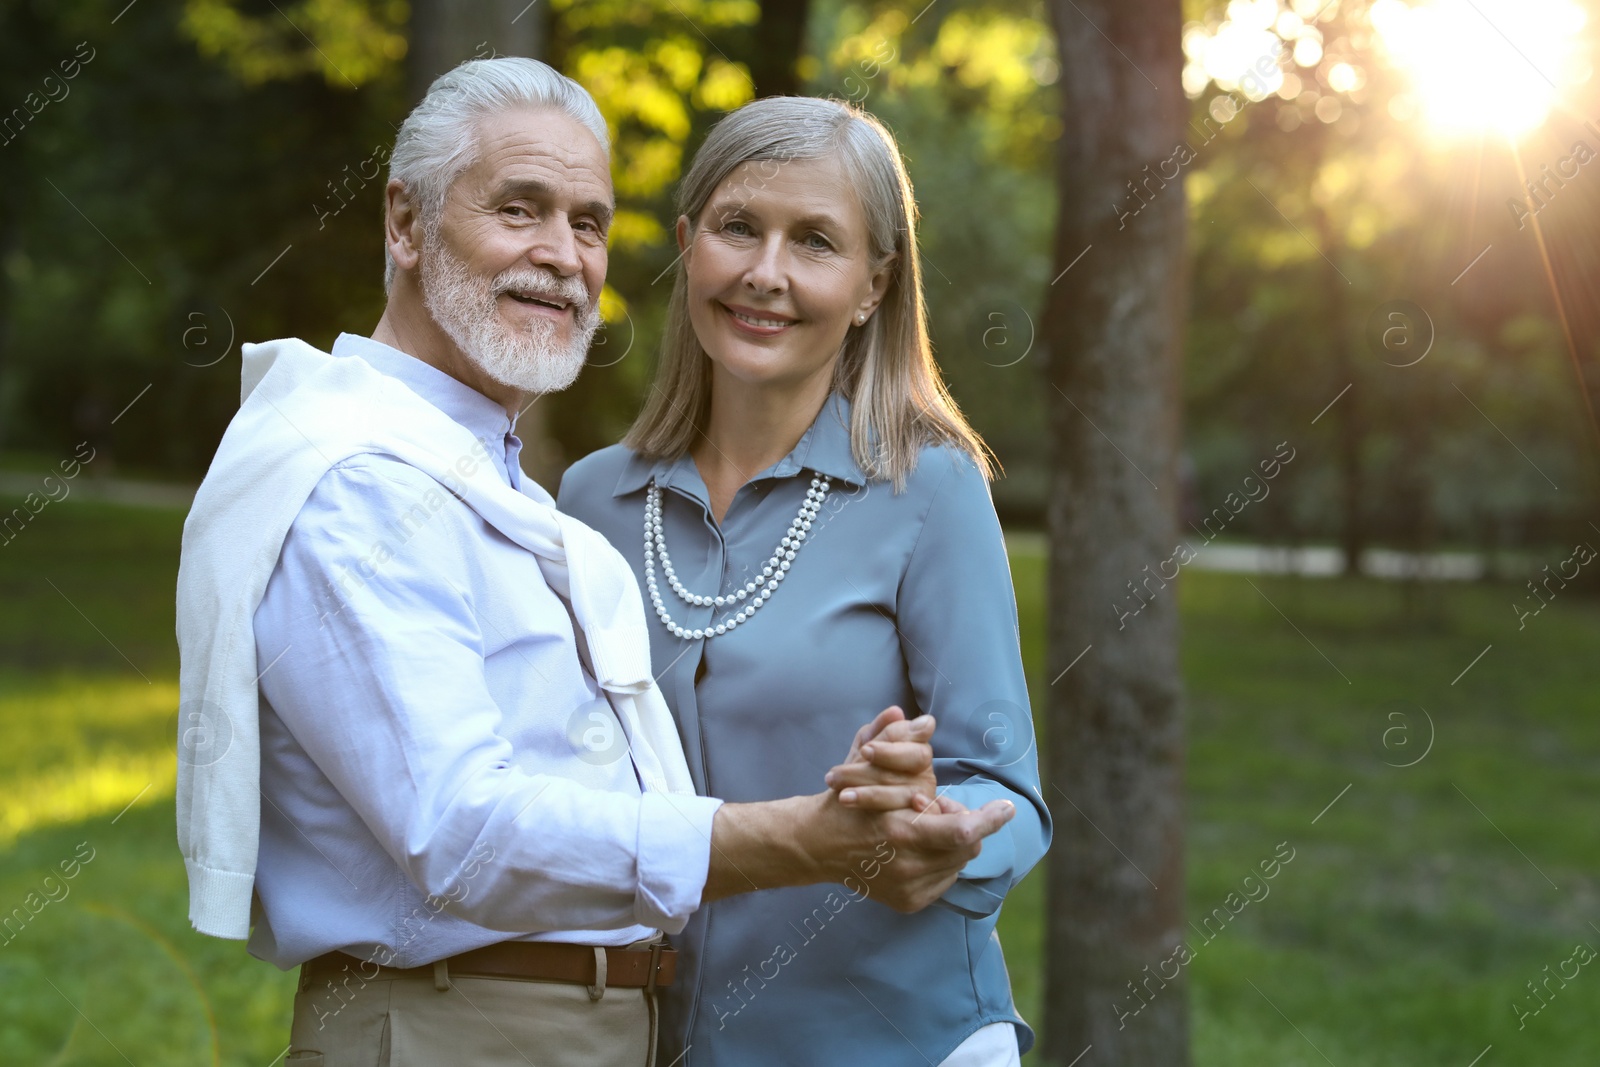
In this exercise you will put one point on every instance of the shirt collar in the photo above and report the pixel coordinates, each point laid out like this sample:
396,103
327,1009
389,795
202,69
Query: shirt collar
464,404
824,448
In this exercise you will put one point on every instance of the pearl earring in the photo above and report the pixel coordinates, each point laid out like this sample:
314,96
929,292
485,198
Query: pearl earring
860,320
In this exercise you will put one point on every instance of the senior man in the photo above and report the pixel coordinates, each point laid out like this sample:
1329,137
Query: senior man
421,754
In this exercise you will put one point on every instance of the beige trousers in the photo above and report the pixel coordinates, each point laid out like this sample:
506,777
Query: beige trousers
472,1022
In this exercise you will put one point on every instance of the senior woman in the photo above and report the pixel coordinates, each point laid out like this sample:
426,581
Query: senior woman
810,517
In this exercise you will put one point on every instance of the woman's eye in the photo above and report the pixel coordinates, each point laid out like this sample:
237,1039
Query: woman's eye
817,242
738,229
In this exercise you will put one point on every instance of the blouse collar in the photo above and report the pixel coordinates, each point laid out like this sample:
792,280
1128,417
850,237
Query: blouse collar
824,448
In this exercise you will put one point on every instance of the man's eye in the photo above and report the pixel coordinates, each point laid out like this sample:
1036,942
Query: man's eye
516,210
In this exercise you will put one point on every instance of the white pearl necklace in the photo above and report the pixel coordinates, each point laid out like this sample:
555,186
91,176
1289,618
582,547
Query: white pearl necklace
759,589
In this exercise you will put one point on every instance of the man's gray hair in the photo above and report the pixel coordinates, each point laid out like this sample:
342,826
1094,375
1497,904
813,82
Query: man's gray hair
439,139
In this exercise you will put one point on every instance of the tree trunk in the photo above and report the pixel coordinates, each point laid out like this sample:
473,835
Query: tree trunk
1113,323
1351,414
445,33
1572,265
10,239
22,36
780,40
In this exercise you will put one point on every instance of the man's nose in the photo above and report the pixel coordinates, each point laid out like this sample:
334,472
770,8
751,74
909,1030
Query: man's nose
556,246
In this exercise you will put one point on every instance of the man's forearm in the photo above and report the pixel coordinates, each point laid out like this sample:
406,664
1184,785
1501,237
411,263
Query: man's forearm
810,839
761,846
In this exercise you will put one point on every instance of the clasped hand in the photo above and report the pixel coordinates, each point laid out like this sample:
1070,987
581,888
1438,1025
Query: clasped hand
885,794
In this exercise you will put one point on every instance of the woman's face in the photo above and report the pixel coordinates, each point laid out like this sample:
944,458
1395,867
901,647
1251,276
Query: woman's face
779,268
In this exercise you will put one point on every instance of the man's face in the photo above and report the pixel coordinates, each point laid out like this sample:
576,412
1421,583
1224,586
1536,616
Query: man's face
514,269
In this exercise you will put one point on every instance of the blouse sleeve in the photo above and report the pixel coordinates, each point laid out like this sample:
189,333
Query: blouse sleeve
957,619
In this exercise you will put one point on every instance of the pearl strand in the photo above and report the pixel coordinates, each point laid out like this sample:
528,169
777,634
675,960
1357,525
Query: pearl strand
763,586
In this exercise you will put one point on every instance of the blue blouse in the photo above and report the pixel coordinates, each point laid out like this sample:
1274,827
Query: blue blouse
896,598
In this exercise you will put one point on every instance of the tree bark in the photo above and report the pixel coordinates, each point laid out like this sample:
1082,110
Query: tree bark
1572,265
1351,415
447,32
22,36
1113,323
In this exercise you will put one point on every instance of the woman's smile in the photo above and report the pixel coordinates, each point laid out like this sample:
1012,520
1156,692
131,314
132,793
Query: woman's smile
758,323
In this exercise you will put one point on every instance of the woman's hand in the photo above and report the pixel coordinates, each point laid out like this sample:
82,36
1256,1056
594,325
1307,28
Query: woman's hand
904,860
880,826
889,766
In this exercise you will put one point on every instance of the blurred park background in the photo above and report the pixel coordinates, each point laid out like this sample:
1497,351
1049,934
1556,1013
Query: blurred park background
1393,245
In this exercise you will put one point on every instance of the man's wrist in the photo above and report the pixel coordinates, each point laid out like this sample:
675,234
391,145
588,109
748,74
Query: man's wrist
808,842
765,845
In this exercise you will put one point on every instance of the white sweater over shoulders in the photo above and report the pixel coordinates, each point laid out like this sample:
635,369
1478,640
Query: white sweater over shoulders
303,411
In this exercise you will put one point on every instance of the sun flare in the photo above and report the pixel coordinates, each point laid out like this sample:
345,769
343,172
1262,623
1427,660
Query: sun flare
1480,65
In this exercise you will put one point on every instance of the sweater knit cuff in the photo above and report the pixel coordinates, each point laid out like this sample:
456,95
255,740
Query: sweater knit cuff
219,901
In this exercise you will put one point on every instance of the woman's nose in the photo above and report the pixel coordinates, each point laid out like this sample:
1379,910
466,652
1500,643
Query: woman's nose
769,273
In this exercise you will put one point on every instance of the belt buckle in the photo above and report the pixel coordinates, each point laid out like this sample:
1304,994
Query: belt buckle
655,968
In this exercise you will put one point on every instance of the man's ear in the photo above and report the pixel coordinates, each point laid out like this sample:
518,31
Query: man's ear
402,225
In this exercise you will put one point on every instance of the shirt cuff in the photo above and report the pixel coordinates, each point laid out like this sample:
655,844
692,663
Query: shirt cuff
984,882
975,899
674,857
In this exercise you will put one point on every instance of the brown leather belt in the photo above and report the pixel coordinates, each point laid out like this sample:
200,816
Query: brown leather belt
549,961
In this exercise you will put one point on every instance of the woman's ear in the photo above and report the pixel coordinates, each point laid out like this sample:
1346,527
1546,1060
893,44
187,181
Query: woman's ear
879,287
683,232
402,225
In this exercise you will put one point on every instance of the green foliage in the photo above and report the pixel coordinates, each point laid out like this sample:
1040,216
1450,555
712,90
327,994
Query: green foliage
1314,207
348,42
210,178
153,200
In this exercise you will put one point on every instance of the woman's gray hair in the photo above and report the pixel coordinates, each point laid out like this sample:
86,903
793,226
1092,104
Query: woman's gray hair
439,139
899,402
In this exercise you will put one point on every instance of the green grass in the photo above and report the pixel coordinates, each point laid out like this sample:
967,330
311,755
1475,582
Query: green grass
1407,923
1400,934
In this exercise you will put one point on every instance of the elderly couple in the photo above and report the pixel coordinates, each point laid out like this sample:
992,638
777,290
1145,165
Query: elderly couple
436,751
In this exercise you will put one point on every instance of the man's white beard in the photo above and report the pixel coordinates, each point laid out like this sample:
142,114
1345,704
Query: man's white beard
532,359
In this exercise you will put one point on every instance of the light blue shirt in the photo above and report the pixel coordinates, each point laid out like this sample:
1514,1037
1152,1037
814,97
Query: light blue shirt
895,598
429,778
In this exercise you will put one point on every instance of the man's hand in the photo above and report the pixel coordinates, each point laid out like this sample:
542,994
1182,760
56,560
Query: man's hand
889,766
